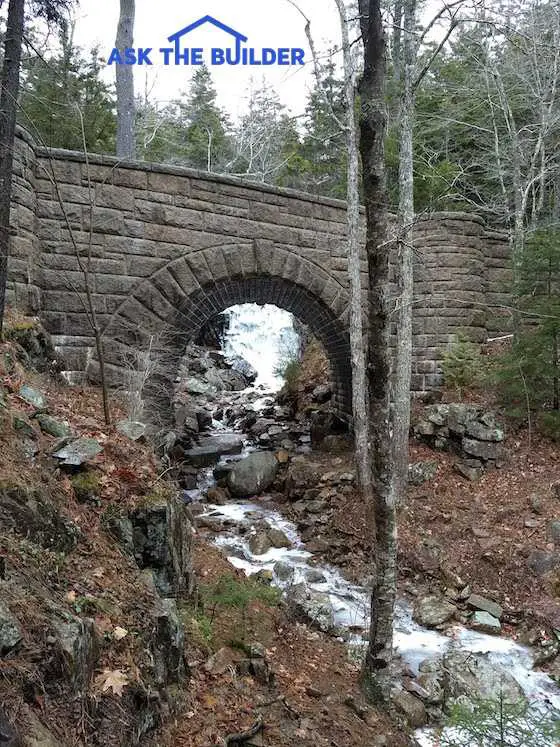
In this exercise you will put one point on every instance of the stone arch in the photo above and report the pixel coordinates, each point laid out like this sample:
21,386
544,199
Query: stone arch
179,298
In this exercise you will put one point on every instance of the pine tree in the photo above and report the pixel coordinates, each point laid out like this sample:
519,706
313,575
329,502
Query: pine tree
204,142
60,88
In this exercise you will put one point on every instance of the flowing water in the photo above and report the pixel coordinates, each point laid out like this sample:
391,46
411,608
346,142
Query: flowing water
350,603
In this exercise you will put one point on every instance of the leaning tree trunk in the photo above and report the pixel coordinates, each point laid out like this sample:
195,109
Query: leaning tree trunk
8,110
126,145
372,131
358,345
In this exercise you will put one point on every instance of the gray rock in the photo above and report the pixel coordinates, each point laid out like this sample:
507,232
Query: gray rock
411,708
10,630
168,644
469,470
283,571
485,622
23,427
554,531
212,448
482,449
482,432
79,451
314,607
32,397
541,562
259,543
315,576
486,605
252,475
76,640
51,426
473,676
243,367
278,538
421,472
432,686
197,386
432,610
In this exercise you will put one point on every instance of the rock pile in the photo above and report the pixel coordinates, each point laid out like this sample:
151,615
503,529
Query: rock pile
467,430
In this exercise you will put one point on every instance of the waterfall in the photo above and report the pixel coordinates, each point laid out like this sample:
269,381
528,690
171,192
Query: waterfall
265,336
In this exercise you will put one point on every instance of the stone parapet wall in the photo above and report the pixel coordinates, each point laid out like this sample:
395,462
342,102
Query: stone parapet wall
170,247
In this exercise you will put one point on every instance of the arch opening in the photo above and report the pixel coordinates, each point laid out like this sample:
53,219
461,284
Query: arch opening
158,322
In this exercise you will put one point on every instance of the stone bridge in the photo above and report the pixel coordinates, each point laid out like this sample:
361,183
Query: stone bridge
169,248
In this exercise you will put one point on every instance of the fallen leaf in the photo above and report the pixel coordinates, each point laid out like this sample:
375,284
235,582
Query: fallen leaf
71,596
112,679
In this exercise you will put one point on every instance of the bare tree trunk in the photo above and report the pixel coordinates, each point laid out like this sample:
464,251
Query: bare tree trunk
126,145
8,109
372,129
404,260
358,343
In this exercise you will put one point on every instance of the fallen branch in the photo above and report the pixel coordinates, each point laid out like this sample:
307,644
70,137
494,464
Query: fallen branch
244,736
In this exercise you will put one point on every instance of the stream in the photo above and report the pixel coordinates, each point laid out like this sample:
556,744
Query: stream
294,565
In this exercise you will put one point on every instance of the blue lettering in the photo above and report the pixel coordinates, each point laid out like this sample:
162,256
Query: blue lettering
284,56
130,56
268,56
183,56
232,58
196,56
218,56
115,58
252,58
144,56
166,52
297,56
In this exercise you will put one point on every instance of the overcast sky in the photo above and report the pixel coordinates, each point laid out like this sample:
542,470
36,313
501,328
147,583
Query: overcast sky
267,23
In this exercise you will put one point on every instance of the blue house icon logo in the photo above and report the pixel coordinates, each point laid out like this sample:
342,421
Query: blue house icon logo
237,54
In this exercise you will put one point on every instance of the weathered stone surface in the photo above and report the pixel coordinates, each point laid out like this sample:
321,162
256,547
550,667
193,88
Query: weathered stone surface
485,622
432,611
252,475
32,397
132,429
289,246
10,630
313,606
53,427
79,452
421,472
411,708
211,449
486,605
76,640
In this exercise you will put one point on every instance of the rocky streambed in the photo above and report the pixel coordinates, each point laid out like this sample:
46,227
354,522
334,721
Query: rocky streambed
230,469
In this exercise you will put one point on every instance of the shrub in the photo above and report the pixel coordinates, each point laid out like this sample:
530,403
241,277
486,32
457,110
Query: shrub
462,364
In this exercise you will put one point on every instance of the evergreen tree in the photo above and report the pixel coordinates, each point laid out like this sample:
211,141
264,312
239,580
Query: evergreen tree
60,88
203,133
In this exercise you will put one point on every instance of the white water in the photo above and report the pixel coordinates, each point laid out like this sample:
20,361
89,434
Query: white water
265,337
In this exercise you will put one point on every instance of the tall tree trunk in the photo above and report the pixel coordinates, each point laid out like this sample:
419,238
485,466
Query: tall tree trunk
8,110
126,145
372,130
404,260
358,344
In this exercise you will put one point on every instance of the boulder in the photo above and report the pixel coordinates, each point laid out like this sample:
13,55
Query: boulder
78,452
314,607
410,707
32,397
283,571
472,676
196,386
10,630
485,605
485,622
278,538
210,449
481,449
259,542
132,429
243,367
252,475
541,562
77,645
322,393
433,610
